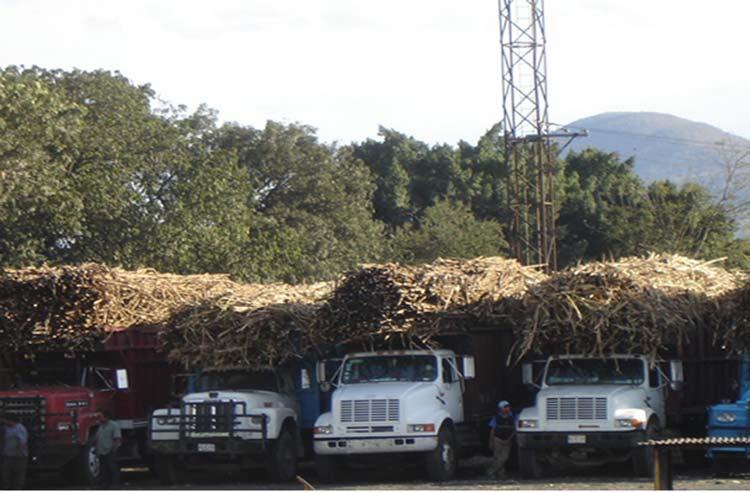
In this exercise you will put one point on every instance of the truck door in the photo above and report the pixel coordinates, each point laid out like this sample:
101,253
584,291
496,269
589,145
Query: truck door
656,392
450,389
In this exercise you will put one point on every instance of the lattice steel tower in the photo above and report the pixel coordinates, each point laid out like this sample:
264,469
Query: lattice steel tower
526,127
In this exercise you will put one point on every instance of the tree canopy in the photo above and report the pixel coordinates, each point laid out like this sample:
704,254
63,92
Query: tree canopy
95,168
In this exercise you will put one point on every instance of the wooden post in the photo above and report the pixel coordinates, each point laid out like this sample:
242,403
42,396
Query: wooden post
662,468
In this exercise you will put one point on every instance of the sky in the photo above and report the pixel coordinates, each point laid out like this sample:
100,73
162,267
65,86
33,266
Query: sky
427,68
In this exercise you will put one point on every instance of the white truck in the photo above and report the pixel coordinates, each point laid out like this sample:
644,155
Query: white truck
591,411
396,402
240,416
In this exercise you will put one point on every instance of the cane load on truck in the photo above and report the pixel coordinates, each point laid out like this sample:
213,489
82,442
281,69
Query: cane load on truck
608,328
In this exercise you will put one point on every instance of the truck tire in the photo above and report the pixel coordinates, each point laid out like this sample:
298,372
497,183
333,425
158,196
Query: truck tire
528,463
87,469
643,457
720,467
327,468
168,470
283,458
441,462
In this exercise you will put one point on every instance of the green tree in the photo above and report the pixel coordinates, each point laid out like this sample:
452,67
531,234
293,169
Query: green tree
448,229
39,206
604,211
314,203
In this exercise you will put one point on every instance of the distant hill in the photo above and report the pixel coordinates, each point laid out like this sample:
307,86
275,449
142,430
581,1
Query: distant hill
664,146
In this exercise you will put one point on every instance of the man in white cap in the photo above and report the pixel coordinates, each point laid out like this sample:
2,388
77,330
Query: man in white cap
502,429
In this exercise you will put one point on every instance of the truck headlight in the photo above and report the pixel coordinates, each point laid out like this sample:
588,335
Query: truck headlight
64,426
167,420
422,428
528,423
726,417
258,420
323,430
628,423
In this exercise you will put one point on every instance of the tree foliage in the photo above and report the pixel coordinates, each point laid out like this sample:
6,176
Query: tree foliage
95,168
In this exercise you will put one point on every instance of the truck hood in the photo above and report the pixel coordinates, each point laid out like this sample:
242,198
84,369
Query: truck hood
253,398
381,390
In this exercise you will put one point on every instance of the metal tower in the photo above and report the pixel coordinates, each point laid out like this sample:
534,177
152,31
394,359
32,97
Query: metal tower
528,149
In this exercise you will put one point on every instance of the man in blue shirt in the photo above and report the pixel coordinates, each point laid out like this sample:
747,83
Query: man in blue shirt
15,453
502,429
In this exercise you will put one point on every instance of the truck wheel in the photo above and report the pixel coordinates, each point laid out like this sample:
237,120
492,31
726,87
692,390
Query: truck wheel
441,462
283,458
720,467
643,457
87,467
168,470
528,463
327,468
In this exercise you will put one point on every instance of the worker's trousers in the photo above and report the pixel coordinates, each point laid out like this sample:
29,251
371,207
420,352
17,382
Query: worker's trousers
500,454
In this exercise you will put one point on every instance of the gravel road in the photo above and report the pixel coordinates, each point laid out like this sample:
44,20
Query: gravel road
400,477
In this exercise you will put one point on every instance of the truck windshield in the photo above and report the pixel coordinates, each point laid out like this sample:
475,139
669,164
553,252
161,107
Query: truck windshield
595,372
391,368
237,380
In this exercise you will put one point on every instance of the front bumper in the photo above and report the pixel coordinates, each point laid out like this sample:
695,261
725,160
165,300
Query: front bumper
374,445
601,439
209,446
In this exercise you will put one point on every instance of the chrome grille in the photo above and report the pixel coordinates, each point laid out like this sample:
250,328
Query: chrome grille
366,411
211,416
569,408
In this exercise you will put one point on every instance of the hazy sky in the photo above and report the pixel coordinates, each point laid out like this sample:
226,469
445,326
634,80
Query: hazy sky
429,68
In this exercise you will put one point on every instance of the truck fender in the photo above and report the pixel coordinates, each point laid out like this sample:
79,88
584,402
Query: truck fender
324,419
279,416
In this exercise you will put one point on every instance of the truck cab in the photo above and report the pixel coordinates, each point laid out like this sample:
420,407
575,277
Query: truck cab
593,410
394,402
235,415
58,399
731,420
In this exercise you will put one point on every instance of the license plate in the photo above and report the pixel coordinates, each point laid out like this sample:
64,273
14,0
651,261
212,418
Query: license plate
206,447
576,439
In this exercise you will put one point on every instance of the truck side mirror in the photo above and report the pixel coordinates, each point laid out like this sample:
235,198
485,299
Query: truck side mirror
527,374
304,379
468,367
675,374
121,377
320,371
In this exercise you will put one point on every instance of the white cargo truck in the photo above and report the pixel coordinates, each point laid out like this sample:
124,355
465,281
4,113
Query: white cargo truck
403,403
591,411
240,416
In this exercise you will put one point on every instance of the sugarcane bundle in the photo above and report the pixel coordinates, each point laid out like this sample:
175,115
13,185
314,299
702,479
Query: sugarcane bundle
251,328
635,305
71,308
392,299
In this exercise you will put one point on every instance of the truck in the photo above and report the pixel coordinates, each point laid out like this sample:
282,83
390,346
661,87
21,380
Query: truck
241,416
429,405
731,420
58,397
594,410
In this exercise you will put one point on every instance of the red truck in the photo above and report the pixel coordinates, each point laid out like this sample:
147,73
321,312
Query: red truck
57,397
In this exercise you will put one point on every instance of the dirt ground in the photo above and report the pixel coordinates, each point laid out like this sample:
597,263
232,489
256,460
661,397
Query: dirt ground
402,477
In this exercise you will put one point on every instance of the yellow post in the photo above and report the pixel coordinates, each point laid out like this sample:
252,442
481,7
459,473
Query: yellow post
662,468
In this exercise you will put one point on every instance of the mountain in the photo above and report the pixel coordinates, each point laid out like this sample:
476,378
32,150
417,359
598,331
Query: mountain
664,146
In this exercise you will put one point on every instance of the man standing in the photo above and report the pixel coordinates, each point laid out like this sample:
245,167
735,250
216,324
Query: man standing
502,429
15,453
108,439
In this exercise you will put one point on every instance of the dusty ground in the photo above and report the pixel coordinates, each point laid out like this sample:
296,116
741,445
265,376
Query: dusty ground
401,477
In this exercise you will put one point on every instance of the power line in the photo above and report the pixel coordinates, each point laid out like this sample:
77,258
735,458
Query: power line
677,140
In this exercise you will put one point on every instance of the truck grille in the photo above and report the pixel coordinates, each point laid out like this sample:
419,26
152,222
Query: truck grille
367,411
576,408
211,416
